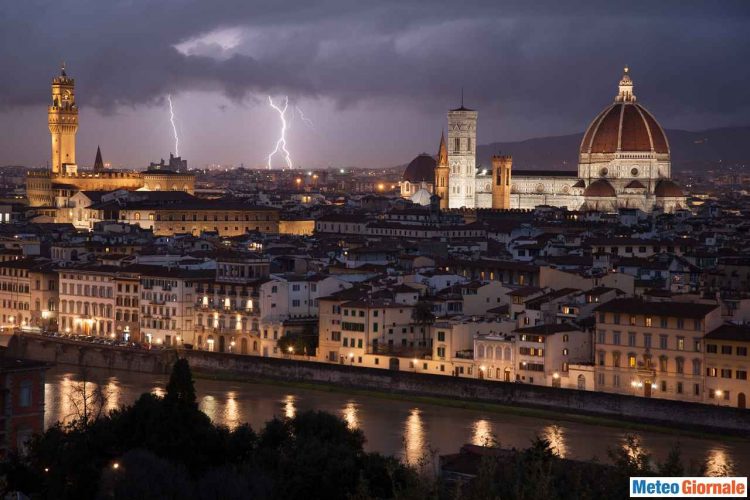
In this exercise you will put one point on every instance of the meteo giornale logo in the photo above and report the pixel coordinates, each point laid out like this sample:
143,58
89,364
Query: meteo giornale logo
688,487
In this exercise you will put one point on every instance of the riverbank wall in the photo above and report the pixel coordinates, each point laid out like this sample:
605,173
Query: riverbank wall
637,409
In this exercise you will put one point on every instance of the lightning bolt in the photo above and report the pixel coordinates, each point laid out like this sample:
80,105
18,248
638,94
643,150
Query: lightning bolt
174,128
305,119
281,143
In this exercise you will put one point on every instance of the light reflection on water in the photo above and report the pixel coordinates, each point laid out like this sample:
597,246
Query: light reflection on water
719,463
390,426
232,414
555,435
349,414
483,435
415,447
289,409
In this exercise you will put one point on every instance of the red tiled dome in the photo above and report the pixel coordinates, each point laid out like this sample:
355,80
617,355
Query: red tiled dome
624,126
668,189
421,168
600,189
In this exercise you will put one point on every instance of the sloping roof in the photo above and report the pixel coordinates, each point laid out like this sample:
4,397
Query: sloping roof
670,309
728,331
547,329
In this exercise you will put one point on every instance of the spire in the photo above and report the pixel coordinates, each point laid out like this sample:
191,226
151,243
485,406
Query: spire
625,93
98,163
462,97
442,151
62,69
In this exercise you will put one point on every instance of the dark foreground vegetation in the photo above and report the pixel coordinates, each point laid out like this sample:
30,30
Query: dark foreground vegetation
166,448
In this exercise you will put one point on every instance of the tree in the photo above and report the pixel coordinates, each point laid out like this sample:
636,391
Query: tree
423,316
181,388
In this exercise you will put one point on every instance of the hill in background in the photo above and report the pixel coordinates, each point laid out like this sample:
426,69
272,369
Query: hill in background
689,149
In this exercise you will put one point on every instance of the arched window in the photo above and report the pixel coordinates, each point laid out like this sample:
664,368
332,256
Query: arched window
480,350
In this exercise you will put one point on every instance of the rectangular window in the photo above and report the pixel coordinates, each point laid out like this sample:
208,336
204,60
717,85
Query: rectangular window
648,321
616,338
726,373
663,322
24,394
680,343
711,372
616,319
601,337
679,387
662,341
441,336
631,339
741,351
726,349
647,340
741,375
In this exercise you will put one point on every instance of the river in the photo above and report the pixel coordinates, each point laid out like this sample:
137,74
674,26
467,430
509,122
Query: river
406,429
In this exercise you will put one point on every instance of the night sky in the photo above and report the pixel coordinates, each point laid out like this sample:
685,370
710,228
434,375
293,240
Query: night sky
375,77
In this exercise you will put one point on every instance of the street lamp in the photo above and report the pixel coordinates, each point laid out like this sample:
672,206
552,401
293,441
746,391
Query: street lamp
291,350
718,395
351,358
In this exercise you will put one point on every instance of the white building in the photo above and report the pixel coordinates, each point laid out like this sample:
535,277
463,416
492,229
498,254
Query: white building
624,162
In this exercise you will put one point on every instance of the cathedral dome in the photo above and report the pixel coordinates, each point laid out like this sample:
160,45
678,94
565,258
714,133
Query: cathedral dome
624,126
421,168
600,189
668,189
421,197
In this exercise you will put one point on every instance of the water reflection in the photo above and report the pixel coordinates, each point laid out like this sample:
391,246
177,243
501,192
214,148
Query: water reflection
208,406
350,415
483,435
719,463
290,410
414,442
391,427
555,435
158,391
232,417
112,394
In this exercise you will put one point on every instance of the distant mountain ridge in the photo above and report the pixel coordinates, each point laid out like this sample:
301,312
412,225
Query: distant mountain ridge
689,149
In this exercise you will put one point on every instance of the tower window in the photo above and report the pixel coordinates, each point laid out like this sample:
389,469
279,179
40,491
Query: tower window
456,144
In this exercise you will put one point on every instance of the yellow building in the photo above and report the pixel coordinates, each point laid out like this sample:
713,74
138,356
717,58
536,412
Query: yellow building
653,349
727,365
54,186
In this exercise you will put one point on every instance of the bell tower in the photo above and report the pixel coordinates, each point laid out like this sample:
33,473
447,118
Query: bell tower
462,142
501,175
442,173
62,118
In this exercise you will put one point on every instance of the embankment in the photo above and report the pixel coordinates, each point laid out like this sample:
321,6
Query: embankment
638,409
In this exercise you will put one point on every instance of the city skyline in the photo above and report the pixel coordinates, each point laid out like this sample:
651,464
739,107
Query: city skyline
547,81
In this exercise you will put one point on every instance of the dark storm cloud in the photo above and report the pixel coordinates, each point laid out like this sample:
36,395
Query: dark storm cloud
544,59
